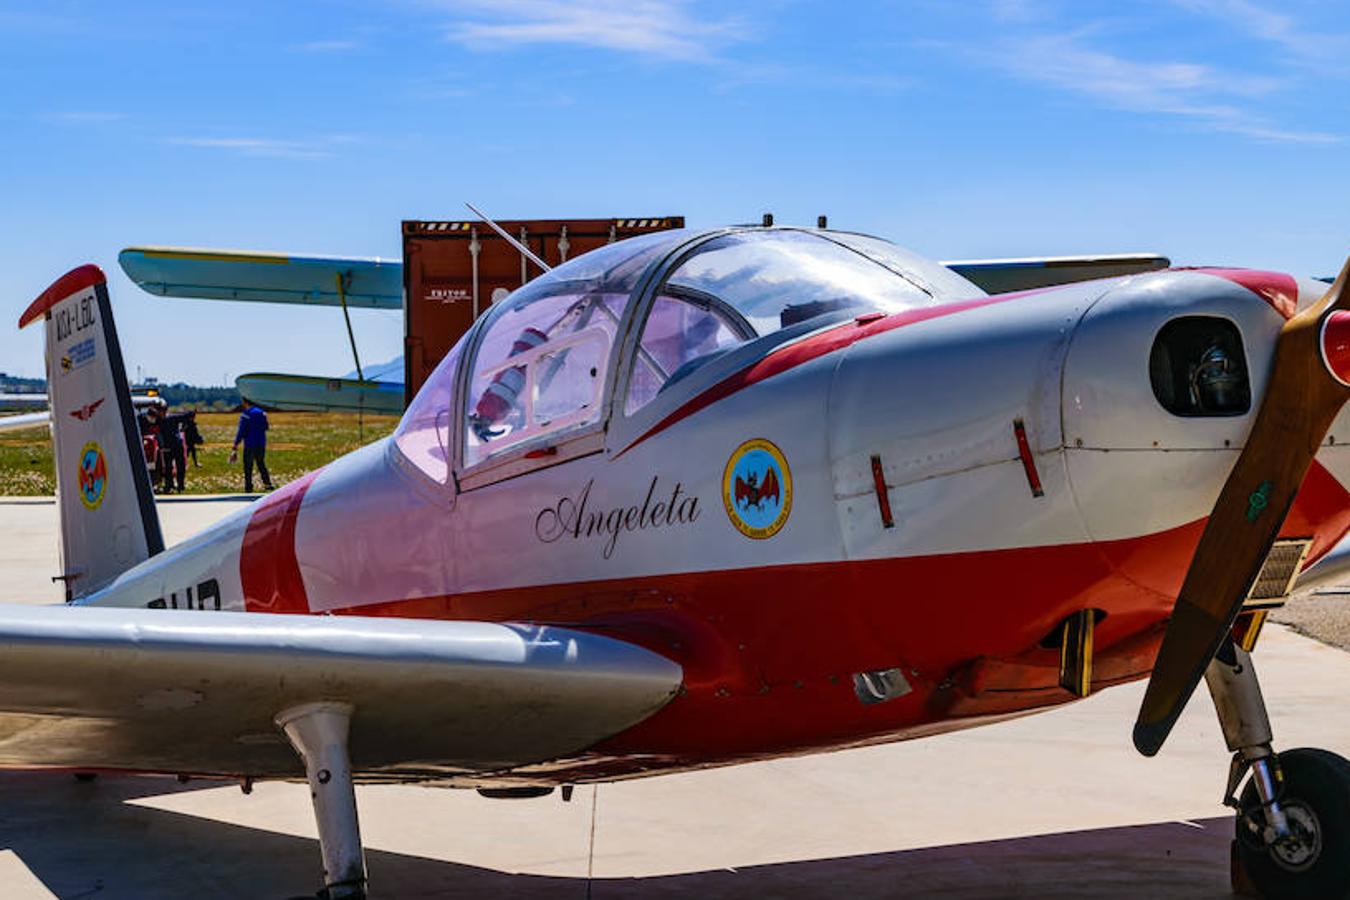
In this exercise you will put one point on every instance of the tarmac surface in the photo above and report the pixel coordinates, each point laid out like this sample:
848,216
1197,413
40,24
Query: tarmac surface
1056,805
1323,613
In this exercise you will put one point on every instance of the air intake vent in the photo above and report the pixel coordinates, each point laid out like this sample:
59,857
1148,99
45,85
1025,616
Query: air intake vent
1277,576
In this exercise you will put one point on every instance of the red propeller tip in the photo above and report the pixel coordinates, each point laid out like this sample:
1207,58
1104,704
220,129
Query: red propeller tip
1336,345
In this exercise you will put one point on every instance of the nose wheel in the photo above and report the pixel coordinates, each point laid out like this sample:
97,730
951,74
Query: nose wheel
1311,860
1293,816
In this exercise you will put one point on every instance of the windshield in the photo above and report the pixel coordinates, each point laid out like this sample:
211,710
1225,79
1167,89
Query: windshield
578,304
774,279
546,350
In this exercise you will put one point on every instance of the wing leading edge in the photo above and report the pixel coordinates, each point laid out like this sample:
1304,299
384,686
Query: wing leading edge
181,691
367,283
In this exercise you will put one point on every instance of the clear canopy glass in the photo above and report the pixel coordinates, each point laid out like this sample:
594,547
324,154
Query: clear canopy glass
774,279
547,349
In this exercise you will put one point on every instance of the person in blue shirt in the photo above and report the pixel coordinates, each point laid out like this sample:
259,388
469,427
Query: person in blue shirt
252,433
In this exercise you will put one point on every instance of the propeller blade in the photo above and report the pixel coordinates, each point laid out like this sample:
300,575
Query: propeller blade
1309,382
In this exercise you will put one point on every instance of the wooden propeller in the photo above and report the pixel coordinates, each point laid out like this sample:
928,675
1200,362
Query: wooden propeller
1309,383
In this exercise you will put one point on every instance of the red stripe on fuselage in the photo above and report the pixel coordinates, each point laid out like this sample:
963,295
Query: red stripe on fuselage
1276,288
815,346
268,567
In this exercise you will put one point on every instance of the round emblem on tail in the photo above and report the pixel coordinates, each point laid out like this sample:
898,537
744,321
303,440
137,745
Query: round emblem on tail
93,475
757,489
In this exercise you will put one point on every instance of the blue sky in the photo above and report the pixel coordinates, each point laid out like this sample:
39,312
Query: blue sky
1215,131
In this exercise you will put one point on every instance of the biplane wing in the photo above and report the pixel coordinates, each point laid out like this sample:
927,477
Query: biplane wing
313,393
1002,276
367,283
200,691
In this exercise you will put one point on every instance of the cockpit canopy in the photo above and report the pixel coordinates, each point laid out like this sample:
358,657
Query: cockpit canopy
542,357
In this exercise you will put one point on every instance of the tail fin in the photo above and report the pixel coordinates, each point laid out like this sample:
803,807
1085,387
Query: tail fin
108,517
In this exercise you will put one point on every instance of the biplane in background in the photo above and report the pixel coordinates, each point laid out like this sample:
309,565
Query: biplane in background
703,497
349,283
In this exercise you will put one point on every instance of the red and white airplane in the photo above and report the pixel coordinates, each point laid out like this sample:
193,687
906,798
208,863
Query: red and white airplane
698,498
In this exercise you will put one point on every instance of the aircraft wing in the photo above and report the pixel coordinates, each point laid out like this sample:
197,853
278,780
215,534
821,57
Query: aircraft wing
196,692
312,393
1000,276
24,420
22,401
369,283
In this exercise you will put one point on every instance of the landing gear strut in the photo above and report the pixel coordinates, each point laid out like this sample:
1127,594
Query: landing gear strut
318,731
1293,817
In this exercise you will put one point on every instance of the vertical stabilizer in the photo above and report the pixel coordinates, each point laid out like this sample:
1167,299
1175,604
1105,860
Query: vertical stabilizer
108,517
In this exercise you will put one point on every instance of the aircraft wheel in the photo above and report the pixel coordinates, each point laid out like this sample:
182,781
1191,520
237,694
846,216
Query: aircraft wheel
1313,863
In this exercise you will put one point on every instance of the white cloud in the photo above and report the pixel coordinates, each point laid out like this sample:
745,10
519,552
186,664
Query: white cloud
1254,129
263,147
1210,97
83,117
1246,16
1301,43
665,29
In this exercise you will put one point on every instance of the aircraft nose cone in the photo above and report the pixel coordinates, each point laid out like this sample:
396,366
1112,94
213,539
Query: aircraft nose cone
1336,345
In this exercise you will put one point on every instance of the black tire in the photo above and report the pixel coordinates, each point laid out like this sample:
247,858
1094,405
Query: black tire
1317,790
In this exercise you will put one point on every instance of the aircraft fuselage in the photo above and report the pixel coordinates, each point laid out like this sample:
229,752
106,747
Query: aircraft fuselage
915,501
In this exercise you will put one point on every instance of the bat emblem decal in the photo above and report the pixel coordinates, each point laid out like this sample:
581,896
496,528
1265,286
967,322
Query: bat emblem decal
752,493
757,489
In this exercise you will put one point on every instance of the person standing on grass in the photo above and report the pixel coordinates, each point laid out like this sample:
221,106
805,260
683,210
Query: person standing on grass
171,446
192,437
253,434
148,422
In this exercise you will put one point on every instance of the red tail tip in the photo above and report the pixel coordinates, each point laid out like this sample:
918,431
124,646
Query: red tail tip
72,282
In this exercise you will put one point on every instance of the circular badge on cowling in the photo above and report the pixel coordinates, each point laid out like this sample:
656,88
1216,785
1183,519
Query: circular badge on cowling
757,489
93,475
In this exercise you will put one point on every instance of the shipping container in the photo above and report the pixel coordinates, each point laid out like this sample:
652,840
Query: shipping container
453,271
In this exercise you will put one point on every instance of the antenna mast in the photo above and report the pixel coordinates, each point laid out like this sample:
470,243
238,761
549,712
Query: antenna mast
524,251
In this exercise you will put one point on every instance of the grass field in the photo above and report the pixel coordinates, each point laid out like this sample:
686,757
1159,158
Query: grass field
296,443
